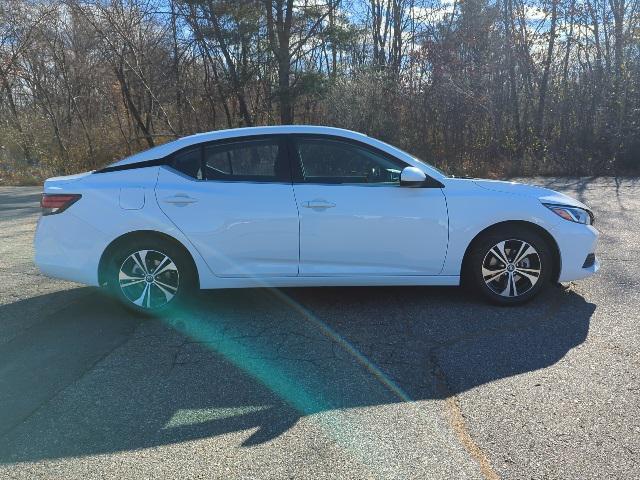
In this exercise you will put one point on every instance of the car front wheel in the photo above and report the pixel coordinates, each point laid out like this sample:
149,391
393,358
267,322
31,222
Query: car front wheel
511,266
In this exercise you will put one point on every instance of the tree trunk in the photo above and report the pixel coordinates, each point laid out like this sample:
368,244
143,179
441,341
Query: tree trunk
544,82
131,106
513,85
279,33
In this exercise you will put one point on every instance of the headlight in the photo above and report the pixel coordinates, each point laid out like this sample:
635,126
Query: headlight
573,214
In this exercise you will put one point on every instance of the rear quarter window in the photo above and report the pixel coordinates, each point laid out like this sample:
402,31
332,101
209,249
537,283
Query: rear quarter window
189,162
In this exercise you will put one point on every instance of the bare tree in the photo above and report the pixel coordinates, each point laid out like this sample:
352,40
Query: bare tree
478,87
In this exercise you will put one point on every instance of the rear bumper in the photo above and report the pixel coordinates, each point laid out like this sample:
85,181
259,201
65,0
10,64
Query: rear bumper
575,243
68,248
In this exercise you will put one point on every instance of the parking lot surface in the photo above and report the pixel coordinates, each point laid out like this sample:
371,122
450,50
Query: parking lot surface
325,382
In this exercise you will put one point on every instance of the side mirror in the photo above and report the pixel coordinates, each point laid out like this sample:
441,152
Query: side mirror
412,177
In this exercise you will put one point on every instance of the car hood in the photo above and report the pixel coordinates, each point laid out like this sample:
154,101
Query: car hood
543,194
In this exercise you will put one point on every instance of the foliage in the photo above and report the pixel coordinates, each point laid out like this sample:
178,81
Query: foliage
480,87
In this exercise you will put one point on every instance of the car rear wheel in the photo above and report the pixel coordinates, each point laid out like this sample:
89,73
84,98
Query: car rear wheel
510,266
150,276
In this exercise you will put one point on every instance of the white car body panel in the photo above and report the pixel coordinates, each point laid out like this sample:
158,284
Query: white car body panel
473,208
69,245
244,234
240,229
358,231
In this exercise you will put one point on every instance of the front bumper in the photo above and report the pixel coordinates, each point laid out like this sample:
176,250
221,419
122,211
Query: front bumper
575,243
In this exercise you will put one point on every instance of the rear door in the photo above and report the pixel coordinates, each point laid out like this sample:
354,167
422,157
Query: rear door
356,219
234,200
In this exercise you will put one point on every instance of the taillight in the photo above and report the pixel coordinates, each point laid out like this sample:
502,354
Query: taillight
57,202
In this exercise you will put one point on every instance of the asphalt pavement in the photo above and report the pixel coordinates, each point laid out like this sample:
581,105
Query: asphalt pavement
406,382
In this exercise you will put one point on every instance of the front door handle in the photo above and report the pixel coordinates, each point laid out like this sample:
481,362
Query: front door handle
180,200
318,204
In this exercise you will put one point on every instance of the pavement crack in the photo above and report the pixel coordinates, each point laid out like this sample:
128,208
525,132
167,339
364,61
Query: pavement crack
457,419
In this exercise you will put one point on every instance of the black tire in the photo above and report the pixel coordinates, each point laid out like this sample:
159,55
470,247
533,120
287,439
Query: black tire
519,282
125,270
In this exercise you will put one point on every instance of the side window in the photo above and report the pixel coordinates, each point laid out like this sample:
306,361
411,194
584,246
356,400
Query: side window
188,162
253,160
335,161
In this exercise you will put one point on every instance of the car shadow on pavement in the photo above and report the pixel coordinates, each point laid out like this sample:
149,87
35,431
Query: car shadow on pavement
92,379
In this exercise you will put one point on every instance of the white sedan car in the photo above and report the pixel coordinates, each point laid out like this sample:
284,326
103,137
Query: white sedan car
303,206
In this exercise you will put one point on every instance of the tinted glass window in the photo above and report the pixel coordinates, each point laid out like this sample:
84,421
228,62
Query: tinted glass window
335,161
188,162
257,160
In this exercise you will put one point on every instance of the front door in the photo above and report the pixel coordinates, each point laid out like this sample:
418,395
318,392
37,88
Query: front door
356,219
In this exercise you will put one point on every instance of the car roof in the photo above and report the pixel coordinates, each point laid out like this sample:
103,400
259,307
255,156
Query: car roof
165,149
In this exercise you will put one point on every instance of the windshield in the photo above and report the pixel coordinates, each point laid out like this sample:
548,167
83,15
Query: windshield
439,170
430,165
423,162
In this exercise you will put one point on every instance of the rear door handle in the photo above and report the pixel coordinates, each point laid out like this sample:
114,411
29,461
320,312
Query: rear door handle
180,200
318,204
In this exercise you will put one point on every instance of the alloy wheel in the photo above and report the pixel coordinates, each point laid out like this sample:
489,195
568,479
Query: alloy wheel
149,279
511,268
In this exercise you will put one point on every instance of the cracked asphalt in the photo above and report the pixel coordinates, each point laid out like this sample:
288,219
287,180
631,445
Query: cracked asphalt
325,382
